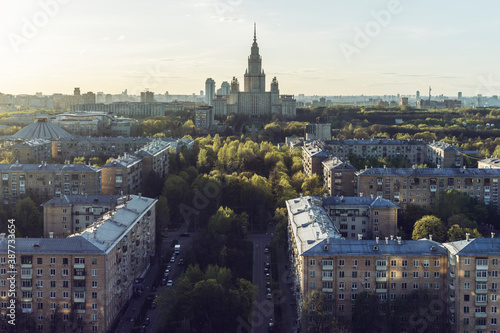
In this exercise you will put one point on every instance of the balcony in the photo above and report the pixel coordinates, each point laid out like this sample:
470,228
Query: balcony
79,266
328,267
327,290
381,291
79,300
27,299
79,277
26,288
26,276
452,275
480,327
327,278
381,279
481,291
480,303
480,315
79,288
26,266
452,310
481,279
451,298
381,268
80,311
452,287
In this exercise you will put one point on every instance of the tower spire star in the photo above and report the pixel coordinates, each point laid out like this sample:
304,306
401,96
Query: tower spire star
254,32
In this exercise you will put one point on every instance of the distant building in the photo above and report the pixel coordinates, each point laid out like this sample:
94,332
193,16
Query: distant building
313,155
318,131
131,109
254,100
403,101
204,117
155,159
209,91
225,88
444,155
41,129
147,97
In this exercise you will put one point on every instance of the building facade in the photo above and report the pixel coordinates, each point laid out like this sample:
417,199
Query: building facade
122,175
473,285
155,159
489,163
32,151
204,118
420,187
254,100
82,282
48,180
131,109
68,214
444,155
338,177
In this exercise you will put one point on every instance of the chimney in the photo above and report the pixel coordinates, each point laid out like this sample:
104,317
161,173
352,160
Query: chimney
492,235
467,235
376,239
301,195
399,240
51,234
317,234
360,236
387,240
392,237
430,237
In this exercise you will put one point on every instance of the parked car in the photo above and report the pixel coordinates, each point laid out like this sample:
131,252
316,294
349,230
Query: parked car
172,259
184,234
153,305
181,262
146,322
170,283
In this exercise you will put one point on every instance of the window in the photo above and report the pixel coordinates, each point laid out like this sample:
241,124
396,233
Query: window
467,261
65,294
39,261
493,298
354,286
393,285
494,262
341,274
94,272
341,285
405,274
393,263
52,284
493,321
466,298
466,285
404,263
415,263
65,272
52,261
312,285
367,275
367,262
354,274
94,261
404,285
52,306
467,274
312,273
94,294
436,275
312,262
381,263
494,274
393,274
481,262
436,263
94,306
341,262
341,297
466,309
426,274
415,275
66,305
415,285
52,294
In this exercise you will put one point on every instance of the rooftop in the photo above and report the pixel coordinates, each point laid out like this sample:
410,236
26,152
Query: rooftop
68,200
492,161
429,172
123,161
443,145
475,246
154,148
47,168
336,163
358,201
32,143
41,130
395,247
374,142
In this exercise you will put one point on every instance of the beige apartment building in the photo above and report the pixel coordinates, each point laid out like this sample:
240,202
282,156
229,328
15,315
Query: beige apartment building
80,283
338,177
390,267
122,175
313,155
48,180
444,155
473,293
31,151
489,163
362,217
66,149
420,187
155,158
68,214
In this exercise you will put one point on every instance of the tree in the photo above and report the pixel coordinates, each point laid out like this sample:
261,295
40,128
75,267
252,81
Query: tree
28,218
430,225
462,221
456,233
365,316
317,313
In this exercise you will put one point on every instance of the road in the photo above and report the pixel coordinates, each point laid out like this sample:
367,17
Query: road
136,303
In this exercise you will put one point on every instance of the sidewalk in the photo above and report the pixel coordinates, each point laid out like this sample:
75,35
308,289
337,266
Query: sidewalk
288,307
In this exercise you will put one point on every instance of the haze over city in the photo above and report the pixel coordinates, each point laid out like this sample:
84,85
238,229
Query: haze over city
313,48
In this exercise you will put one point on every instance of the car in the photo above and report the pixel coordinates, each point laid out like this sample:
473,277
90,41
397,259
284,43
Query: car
271,326
167,272
151,297
170,283
266,270
153,305
142,329
185,234
268,284
268,290
172,259
163,282
146,322
268,265
181,262
269,296
266,250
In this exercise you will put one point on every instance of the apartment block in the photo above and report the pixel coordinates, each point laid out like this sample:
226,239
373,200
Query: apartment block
338,177
31,151
444,155
66,149
313,155
323,260
420,187
155,158
362,217
133,109
48,180
80,283
68,214
204,117
473,294
122,175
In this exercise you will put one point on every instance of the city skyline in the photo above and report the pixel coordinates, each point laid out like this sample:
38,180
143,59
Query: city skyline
362,48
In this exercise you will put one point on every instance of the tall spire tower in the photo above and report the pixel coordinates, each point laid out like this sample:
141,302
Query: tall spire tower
255,79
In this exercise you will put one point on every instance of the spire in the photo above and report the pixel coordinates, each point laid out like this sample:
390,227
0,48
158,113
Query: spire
254,32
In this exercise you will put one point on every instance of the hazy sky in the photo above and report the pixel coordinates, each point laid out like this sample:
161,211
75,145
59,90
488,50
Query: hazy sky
323,47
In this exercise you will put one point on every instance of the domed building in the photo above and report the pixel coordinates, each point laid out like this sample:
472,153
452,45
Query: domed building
41,129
